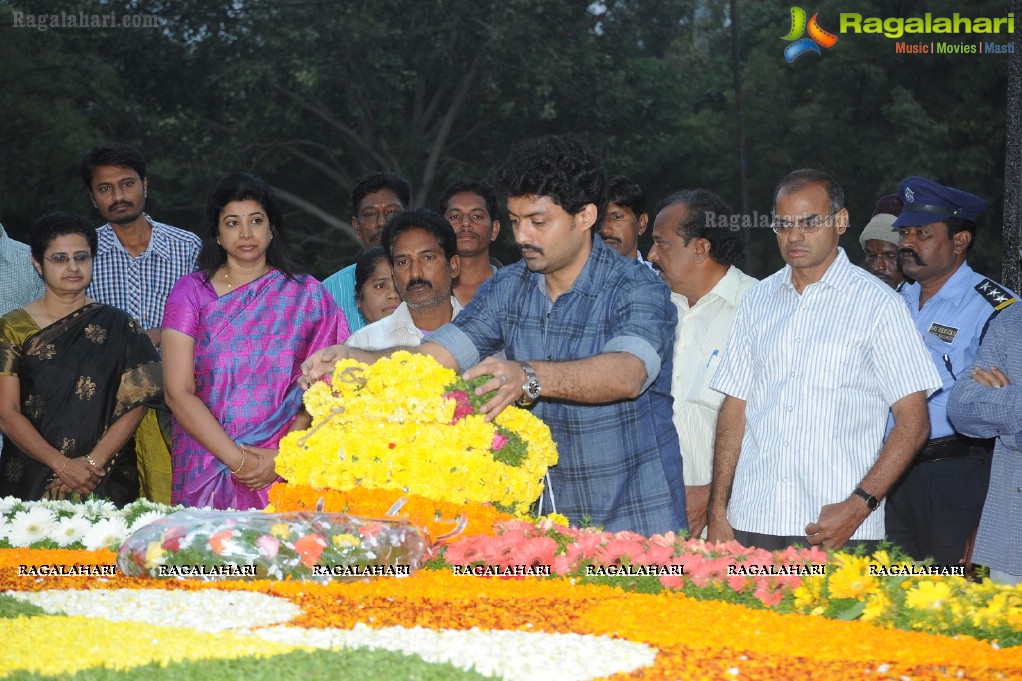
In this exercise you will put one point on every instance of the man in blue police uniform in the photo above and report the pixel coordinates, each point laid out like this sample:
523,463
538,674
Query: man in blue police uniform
935,509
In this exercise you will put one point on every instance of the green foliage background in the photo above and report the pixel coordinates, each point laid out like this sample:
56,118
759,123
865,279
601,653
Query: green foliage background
312,94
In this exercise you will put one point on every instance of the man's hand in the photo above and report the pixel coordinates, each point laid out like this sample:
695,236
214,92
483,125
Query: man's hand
718,528
508,380
697,498
837,522
994,378
321,363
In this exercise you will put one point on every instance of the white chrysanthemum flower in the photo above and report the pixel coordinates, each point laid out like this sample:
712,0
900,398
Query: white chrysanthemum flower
70,530
31,526
8,504
97,509
107,533
146,518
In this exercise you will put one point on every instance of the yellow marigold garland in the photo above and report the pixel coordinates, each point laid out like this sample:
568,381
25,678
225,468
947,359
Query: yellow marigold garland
389,426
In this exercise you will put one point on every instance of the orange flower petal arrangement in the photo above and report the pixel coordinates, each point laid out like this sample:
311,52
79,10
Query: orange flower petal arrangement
502,596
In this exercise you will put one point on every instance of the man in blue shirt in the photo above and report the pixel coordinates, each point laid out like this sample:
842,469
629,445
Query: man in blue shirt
935,508
987,402
589,340
374,200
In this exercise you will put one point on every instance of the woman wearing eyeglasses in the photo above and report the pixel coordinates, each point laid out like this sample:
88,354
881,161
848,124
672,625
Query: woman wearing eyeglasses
75,379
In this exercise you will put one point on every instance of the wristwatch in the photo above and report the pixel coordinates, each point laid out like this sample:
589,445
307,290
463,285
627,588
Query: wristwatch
872,503
531,389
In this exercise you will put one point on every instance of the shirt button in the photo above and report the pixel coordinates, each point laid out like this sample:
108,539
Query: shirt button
790,408
798,340
784,480
792,374
785,443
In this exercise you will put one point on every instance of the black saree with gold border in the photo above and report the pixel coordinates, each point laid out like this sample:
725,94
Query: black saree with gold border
78,376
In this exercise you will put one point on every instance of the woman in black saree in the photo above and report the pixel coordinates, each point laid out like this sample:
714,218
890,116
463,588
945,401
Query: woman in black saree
75,379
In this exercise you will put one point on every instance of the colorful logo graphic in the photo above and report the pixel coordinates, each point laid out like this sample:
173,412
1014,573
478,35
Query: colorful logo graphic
817,36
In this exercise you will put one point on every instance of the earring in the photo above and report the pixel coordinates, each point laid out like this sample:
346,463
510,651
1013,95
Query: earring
218,241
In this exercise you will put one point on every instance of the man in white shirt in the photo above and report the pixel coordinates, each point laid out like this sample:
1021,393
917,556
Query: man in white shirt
423,250
697,258
819,352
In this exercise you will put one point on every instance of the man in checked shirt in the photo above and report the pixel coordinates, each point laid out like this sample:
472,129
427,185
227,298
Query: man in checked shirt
138,259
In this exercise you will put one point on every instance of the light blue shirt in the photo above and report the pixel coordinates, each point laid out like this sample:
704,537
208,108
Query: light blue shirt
19,282
950,324
819,372
341,286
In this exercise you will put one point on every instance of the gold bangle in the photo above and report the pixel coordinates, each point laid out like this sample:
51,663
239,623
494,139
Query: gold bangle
92,462
67,460
241,465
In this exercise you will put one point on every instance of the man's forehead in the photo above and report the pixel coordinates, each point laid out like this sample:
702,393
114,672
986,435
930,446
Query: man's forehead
805,199
466,200
114,173
532,204
382,196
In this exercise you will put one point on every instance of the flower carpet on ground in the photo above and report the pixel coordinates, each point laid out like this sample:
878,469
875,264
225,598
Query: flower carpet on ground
688,638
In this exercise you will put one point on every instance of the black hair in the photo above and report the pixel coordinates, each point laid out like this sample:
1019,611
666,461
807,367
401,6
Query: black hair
113,154
366,264
377,181
624,192
956,225
561,167
424,219
52,225
483,189
707,216
242,187
800,179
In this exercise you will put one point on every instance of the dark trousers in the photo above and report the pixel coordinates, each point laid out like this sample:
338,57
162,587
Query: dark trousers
935,507
773,542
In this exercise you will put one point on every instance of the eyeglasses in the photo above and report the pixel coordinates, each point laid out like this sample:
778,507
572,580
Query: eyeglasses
63,259
807,225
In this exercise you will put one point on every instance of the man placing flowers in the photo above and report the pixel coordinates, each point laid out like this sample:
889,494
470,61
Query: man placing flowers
588,338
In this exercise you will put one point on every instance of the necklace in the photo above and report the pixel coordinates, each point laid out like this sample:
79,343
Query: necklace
227,279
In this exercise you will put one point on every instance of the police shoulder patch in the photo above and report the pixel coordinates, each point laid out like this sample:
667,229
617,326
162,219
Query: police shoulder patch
995,294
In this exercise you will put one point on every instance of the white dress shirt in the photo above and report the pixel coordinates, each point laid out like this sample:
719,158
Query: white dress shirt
818,372
698,343
393,330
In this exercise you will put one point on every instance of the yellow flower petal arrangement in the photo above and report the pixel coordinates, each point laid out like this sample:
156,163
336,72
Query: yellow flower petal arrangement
408,424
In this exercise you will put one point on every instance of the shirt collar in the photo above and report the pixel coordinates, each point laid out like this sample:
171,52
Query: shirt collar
839,275
958,284
158,243
729,286
589,280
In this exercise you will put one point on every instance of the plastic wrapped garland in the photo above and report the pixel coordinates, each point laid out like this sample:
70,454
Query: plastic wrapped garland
319,547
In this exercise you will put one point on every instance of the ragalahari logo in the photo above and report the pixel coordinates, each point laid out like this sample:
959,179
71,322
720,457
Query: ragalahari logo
817,36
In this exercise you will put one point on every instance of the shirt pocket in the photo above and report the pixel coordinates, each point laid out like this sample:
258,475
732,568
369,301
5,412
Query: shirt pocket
699,391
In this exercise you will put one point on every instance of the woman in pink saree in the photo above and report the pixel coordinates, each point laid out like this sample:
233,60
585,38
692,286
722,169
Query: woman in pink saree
234,336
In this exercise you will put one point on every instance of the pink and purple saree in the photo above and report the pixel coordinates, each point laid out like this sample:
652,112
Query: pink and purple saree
249,346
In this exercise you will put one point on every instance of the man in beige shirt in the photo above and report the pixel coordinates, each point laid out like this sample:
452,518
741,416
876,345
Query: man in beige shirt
695,252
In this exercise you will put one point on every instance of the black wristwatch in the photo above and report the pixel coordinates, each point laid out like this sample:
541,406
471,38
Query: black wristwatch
872,503
531,389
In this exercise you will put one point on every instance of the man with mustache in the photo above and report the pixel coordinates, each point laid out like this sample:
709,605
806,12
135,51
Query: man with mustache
138,259
471,208
422,249
626,216
935,508
880,242
588,336
699,261
819,353
374,200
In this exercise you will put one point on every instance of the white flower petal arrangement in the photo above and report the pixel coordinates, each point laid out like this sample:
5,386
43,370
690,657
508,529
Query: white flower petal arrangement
92,524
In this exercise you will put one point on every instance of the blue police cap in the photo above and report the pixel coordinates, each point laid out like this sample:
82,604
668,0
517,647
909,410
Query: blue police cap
927,202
